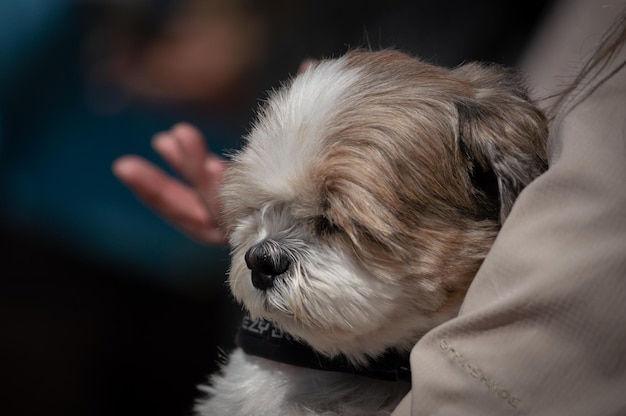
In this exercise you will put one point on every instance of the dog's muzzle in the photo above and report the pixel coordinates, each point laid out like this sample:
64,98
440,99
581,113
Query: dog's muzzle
266,260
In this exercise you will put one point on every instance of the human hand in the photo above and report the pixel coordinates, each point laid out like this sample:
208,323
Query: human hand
191,206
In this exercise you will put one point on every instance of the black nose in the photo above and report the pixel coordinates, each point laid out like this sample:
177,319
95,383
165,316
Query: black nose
266,260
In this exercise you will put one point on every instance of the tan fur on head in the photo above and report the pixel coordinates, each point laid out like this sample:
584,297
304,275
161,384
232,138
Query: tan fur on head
369,192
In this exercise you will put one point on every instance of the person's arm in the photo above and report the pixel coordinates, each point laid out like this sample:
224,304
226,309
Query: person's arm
542,329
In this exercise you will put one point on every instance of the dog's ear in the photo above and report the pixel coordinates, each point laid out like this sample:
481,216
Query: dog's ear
501,133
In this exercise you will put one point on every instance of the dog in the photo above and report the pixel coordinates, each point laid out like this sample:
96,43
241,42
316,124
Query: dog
368,192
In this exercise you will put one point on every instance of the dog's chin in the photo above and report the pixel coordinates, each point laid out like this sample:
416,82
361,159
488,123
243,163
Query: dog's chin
328,300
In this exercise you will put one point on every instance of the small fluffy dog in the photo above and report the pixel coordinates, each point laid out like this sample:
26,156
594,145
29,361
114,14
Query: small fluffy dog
368,193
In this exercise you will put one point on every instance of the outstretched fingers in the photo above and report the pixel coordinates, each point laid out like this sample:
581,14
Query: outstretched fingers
173,200
183,147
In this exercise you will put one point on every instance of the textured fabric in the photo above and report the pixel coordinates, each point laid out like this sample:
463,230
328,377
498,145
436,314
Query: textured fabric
542,330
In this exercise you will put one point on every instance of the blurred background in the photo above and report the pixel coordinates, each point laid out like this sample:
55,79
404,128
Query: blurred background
104,308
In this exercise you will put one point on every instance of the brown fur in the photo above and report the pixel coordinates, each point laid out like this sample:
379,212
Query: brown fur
395,177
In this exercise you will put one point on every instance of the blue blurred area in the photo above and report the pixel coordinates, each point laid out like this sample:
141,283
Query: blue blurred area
23,26
57,146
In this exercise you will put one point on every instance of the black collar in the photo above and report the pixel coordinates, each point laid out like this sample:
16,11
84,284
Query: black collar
261,338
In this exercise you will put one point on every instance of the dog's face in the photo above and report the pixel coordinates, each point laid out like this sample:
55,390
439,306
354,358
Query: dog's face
368,193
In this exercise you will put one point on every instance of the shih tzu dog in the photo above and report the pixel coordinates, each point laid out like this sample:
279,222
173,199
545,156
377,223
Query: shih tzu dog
367,195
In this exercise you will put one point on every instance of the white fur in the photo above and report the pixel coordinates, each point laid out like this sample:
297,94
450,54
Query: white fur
338,305
287,137
254,386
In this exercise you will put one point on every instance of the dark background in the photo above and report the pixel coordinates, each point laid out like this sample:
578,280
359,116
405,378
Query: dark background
104,308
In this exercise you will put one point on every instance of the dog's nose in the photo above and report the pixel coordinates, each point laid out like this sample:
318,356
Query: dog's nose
266,260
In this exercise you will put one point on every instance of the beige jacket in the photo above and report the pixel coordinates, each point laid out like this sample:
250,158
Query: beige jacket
543,328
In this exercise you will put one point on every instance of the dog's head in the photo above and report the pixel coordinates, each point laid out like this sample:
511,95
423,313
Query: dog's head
368,193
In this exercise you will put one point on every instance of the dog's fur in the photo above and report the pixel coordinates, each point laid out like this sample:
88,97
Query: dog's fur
376,184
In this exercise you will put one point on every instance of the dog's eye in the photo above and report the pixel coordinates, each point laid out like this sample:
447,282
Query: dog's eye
324,226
